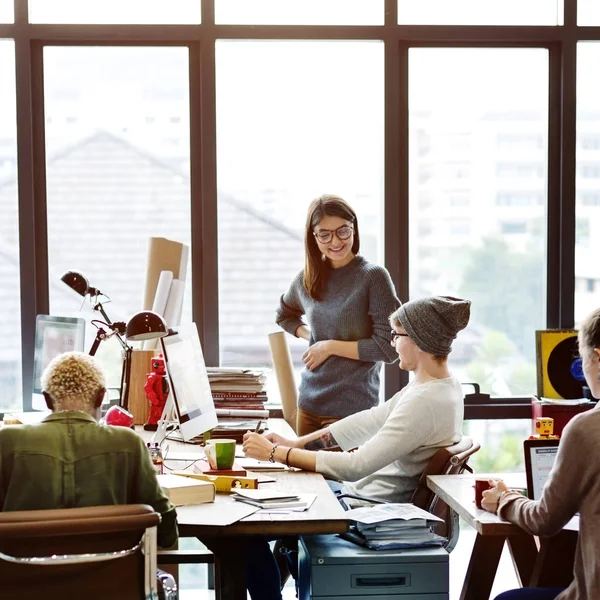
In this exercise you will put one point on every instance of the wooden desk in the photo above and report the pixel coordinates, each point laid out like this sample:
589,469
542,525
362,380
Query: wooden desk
229,543
532,567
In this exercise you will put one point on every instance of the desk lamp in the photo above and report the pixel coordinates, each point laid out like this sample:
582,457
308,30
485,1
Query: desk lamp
144,325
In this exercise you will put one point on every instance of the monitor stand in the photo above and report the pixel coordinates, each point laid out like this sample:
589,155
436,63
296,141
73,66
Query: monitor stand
168,421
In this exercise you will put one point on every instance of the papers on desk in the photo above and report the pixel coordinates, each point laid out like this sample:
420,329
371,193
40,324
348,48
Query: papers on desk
251,464
25,418
390,526
274,500
224,511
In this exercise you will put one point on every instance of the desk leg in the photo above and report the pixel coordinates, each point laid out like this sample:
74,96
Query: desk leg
523,551
230,566
554,565
482,567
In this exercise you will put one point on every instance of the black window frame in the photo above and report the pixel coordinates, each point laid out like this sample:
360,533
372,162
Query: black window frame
560,41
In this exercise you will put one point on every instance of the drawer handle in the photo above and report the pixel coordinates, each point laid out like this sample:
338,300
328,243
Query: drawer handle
381,581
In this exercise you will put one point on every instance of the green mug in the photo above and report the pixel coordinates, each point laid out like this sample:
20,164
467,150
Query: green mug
220,454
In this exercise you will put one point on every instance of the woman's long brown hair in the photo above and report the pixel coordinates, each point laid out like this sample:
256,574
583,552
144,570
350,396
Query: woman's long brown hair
316,270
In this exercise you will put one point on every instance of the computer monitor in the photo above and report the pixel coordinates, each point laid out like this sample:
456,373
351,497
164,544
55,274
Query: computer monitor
540,455
190,394
53,336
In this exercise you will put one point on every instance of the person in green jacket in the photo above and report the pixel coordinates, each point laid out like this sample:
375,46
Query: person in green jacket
69,460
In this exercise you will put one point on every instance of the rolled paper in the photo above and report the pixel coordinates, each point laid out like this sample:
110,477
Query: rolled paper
160,302
162,292
284,371
174,303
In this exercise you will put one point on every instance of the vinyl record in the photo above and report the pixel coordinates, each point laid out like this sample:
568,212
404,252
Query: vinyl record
562,365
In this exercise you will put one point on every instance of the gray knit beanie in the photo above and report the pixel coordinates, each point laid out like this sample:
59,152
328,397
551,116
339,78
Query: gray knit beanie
432,323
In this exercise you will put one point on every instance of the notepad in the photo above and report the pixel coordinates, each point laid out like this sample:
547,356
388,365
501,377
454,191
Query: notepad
251,464
273,500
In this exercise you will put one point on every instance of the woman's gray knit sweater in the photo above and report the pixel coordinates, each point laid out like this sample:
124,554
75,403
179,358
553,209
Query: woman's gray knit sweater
356,304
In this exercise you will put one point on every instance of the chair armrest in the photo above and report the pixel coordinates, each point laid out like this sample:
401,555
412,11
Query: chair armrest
167,586
184,557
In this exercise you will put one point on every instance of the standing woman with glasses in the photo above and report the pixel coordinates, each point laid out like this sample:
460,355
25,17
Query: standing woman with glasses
345,302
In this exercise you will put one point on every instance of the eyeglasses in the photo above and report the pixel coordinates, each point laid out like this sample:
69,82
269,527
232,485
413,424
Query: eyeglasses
342,233
396,335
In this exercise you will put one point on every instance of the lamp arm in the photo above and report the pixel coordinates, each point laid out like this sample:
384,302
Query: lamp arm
100,335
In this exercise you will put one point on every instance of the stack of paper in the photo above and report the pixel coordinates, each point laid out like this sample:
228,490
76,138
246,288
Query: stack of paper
389,526
274,500
239,396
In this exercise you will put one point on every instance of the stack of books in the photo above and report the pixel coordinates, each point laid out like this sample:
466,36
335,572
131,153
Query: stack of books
391,526
239,396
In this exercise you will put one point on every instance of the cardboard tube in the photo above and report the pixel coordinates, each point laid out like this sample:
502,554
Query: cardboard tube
284,370
141,365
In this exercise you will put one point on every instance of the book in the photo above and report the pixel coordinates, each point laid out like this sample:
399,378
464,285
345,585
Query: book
233,412
221,395
202,466
252,464
183,490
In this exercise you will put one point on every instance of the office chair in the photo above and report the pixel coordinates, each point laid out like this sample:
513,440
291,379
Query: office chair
451,460
93,553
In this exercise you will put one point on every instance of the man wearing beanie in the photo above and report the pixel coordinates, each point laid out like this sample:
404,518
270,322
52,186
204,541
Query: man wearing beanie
393,441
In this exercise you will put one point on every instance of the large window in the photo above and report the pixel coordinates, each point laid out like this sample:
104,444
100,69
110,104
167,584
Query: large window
479,12
587,232
588,12
114,11
6,11
484,112
117,156
10,292
294,120
299,12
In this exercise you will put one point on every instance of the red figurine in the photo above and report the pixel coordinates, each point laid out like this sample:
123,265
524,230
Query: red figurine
157,390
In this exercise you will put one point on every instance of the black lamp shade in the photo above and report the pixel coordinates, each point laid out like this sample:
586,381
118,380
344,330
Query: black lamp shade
76,281
146,325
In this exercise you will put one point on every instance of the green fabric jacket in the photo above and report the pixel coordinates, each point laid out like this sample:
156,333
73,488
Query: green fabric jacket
70,461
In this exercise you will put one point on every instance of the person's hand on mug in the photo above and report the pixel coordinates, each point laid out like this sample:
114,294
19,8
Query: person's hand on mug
257,446
316,355
491,497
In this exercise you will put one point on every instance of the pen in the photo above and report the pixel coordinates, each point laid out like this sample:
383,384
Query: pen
258,427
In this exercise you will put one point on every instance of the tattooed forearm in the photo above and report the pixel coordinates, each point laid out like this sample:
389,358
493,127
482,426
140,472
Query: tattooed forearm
324,442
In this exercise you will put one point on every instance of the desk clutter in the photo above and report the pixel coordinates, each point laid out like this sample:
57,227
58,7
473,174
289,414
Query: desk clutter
392,526
239,397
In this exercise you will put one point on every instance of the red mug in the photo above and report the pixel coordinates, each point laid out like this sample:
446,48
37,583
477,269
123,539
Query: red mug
480,486
117,415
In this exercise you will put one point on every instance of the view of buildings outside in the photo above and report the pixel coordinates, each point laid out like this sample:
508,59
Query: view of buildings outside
10,294
294,120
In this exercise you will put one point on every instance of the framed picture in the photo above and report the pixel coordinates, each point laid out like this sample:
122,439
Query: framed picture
559,368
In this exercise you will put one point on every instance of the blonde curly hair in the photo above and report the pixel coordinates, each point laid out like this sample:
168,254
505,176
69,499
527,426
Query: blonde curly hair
72,380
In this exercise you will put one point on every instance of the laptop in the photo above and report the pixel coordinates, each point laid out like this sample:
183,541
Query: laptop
540,455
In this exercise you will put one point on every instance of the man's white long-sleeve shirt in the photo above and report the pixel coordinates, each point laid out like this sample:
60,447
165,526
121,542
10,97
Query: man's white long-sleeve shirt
395,440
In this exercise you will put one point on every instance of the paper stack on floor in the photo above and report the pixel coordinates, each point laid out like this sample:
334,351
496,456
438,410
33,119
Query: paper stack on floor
390,526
